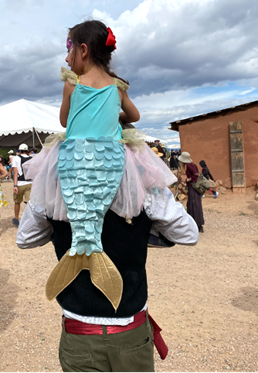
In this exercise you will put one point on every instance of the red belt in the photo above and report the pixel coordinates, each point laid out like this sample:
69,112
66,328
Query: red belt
77,327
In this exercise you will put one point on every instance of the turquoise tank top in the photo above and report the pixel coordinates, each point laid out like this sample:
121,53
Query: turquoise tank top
94,113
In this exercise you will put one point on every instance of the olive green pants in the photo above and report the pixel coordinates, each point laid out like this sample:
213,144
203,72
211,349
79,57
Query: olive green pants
129,351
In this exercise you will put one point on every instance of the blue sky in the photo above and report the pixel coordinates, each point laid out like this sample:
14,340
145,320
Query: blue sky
181,57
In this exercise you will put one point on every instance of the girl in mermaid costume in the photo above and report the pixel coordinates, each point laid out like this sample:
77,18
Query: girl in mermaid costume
95,170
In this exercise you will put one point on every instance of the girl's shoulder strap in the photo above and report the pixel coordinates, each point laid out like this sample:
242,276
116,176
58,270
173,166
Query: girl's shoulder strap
121,84
69,75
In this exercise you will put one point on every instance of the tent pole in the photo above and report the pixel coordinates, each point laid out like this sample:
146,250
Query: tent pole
33,140
34,129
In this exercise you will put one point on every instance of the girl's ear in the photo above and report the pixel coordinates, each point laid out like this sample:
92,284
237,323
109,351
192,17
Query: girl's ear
84,50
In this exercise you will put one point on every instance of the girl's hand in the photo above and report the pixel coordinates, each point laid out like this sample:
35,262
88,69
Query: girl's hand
130,113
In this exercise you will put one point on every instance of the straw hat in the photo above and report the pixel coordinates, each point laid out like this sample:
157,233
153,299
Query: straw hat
185,158
157,152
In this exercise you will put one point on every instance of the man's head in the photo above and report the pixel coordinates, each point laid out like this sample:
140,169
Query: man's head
33,151
23,148
156,142
10,152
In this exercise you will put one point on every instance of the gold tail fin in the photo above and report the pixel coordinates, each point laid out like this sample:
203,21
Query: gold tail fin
104,275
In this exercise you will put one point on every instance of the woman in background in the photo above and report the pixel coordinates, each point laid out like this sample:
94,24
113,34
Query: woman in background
173,161
194,203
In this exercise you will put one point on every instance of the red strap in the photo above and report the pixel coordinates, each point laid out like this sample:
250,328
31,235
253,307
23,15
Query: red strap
77,327
158,340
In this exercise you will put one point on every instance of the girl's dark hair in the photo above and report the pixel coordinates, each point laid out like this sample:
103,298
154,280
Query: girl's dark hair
94,34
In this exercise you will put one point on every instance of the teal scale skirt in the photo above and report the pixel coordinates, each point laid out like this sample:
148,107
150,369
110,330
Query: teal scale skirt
90,172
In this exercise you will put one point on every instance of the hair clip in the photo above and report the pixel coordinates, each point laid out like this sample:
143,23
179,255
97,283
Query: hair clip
111,39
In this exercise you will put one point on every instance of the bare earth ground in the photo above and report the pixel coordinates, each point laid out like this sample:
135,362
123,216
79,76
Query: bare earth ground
204,297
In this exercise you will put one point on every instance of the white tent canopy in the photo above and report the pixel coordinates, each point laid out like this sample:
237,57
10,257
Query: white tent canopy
20,120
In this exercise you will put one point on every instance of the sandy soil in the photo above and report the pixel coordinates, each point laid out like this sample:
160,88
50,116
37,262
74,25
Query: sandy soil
204,297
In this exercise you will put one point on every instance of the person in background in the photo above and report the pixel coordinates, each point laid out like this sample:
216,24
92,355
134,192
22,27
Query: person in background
176,156
10,164
194,203
157,152
3,174
206,173
160,149
173,162
32,152
21,187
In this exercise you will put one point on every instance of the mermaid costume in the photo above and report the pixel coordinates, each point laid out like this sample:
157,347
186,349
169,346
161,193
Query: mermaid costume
90,169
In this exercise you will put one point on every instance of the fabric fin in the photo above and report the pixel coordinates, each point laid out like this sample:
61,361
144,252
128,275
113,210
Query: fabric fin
104,275
64,273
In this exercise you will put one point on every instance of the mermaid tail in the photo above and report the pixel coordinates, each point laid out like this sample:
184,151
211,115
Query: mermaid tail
90,171
104,275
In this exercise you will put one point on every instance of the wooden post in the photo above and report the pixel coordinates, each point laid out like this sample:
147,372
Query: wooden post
237,157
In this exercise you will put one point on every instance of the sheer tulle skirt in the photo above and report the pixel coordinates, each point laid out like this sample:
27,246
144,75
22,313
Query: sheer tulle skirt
143,170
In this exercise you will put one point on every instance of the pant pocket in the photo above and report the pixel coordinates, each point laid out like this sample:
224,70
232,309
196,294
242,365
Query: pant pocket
137,347
73,361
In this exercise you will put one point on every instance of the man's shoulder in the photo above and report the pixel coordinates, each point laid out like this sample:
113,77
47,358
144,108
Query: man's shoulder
16,159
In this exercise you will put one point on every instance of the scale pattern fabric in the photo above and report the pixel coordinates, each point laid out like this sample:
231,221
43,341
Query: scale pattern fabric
90,171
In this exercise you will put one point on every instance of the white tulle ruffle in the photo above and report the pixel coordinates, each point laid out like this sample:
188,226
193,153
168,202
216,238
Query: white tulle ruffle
143,170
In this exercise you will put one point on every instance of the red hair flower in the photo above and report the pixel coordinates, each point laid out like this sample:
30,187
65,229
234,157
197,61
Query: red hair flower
111,39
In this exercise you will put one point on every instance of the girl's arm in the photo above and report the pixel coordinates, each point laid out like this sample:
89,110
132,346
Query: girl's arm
3,172
130,113
65,107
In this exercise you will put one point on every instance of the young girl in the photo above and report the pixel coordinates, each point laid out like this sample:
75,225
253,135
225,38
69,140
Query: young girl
95,170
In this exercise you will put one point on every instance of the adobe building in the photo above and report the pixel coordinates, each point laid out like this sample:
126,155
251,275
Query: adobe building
228,142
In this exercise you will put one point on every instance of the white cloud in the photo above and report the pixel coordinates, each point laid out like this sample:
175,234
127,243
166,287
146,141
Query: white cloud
167,49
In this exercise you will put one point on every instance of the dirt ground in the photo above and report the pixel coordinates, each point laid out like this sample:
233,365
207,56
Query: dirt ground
205,297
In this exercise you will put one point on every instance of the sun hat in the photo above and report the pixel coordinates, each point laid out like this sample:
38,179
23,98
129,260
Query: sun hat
10,152
23,147
185,158
157,152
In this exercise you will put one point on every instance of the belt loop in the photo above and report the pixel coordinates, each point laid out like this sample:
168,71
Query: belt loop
147,318
104,332
63,324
